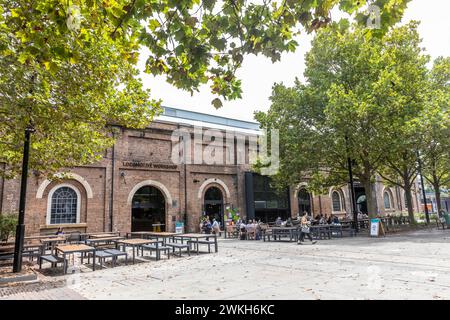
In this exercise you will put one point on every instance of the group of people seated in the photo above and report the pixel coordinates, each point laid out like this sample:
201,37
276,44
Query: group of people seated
250,230
318,219
208,227
324,219
361,216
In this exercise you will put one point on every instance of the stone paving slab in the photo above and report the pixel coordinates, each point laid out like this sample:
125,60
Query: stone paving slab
415,265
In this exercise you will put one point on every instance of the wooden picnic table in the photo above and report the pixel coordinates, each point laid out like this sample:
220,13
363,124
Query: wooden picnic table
97,241
29,250
321,231
7,248
153,234
42,237
52,242
134,243
138,233
197,237
103,235
87,235
75,248
292,232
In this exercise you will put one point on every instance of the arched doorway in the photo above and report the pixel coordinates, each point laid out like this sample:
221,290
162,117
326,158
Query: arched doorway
148,211
361,203
213,204
304,201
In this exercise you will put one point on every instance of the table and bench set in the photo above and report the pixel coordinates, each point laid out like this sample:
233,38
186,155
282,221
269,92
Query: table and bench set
322,232
55,249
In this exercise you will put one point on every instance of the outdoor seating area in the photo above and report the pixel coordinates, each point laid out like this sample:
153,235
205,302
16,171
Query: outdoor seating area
108,249
322,228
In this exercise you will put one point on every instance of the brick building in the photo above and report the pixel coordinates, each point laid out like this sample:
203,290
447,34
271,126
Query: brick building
137,186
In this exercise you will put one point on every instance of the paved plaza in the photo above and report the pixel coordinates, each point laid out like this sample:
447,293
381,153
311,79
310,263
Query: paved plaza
414,265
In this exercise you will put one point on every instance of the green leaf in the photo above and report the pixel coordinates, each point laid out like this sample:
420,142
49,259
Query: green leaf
217,103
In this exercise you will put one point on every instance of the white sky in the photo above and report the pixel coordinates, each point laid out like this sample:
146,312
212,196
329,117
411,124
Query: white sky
258,74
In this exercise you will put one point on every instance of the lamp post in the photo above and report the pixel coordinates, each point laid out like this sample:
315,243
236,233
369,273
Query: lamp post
20,229
352,195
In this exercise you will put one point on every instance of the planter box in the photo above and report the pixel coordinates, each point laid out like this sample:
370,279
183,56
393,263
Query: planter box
7,277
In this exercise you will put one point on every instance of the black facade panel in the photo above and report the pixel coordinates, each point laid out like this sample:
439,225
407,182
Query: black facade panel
249,202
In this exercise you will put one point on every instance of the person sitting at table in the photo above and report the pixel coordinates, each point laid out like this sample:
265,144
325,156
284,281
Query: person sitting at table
250,228
258,230
60,232
322,219
360,215
336,220
242,230
207,226
278,222
329,219
289,222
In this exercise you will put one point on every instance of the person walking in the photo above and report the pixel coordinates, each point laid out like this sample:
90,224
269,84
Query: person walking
305,229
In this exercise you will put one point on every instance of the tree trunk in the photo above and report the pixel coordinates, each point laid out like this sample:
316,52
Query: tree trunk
437,193
409,202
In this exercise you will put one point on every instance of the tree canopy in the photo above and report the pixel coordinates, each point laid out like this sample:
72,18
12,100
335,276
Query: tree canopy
68,68
364,99
434,141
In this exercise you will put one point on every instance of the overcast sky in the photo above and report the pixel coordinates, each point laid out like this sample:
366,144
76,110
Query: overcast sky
258,73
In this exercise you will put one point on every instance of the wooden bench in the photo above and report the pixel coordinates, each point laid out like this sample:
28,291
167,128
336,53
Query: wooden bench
101,255
6,255
179,246
117,253
157,249
54,260
207,242
351,232
266,233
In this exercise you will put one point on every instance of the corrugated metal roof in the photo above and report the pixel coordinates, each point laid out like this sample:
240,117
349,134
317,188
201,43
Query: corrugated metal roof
206,120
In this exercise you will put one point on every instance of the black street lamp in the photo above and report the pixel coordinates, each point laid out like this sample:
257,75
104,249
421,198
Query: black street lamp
352,195
20,229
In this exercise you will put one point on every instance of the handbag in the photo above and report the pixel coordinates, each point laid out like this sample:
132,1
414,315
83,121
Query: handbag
305,229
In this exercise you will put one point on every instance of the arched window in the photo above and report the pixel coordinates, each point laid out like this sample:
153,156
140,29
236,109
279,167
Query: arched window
387,200
337,202
64,205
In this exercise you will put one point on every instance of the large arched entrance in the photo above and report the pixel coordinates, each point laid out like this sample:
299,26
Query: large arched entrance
304,201
361,200
148,211
213,204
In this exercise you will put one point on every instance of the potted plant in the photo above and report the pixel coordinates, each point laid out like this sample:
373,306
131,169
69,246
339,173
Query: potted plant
233,214
8,223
